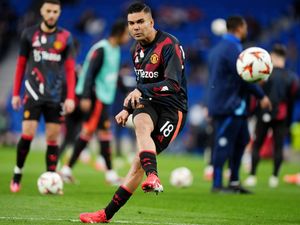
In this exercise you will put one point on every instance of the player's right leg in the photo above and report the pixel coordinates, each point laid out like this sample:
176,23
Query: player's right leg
28,132
121,196
31,116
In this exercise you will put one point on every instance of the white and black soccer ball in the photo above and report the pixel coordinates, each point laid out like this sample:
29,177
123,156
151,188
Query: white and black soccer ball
50,183
254,64
181,177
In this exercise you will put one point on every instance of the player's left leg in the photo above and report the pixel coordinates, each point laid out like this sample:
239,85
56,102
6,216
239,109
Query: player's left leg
121,196
147,151
240,139
261,130
52,113
167,126
52,134
279,133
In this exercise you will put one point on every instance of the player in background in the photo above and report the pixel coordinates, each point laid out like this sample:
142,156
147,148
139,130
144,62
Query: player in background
45,60
227,104
281,88
97,87
158,104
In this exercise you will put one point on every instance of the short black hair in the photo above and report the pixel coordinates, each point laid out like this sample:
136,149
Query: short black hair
138,7
118,28
279,49
56,2
234,22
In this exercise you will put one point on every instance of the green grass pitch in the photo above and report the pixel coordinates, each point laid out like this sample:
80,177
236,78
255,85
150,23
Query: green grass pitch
190,206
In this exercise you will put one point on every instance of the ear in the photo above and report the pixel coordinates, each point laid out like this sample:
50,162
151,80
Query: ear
41,10
152,22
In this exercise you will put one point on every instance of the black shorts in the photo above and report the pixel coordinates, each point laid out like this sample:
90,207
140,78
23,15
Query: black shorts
98,118
53,112
168,122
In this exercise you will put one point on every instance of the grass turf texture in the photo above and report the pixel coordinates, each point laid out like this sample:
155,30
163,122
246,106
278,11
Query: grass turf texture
194,205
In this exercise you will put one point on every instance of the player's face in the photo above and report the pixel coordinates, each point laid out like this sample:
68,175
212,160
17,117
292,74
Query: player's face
140,25
124,38
50,13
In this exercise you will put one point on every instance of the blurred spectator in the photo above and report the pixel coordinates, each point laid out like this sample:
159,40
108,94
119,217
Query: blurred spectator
296,8
89,23
7,26
176,17
254,28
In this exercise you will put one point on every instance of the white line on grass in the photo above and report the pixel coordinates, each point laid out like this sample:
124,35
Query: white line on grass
77,221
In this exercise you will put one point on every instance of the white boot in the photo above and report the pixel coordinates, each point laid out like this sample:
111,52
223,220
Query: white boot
273,181
251,181
112,178
66,174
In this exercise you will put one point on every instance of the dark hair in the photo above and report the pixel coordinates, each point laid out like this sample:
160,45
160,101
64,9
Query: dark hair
56,2
234,22
138,7
279,49
118,28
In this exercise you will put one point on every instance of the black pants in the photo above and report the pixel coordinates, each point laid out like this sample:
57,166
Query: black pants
261,130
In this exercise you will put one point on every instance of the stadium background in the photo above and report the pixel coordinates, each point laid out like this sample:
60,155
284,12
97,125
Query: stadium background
190,21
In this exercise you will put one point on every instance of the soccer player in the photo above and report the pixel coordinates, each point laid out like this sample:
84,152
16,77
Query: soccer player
97,87
158,104
281,88
46,59
227,103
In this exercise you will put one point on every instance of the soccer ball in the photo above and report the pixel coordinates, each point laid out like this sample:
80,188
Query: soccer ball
50,183
181,177
254,64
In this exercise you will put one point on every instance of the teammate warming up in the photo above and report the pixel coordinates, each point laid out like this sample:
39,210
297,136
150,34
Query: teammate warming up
158,104
46,59
97,87
227,104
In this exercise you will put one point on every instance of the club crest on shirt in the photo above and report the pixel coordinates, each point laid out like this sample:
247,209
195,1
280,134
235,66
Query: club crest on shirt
26,114
154,58
57,45
43,39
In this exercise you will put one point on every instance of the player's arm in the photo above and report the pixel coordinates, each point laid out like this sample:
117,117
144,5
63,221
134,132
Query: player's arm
86,83
20,69
94,66
69,65
173,64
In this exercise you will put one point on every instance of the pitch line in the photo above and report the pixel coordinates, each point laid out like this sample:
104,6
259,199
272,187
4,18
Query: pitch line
78,221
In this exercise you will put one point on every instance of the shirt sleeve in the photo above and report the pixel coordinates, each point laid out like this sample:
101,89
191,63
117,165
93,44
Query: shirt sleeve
70,68
173,64
21,62
95,64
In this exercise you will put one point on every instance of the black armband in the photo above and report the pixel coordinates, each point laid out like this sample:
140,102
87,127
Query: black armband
128,108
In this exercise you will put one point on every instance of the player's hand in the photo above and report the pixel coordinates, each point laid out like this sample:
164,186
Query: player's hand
265,103
134,97
85,104
69,105
16,102
122,117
